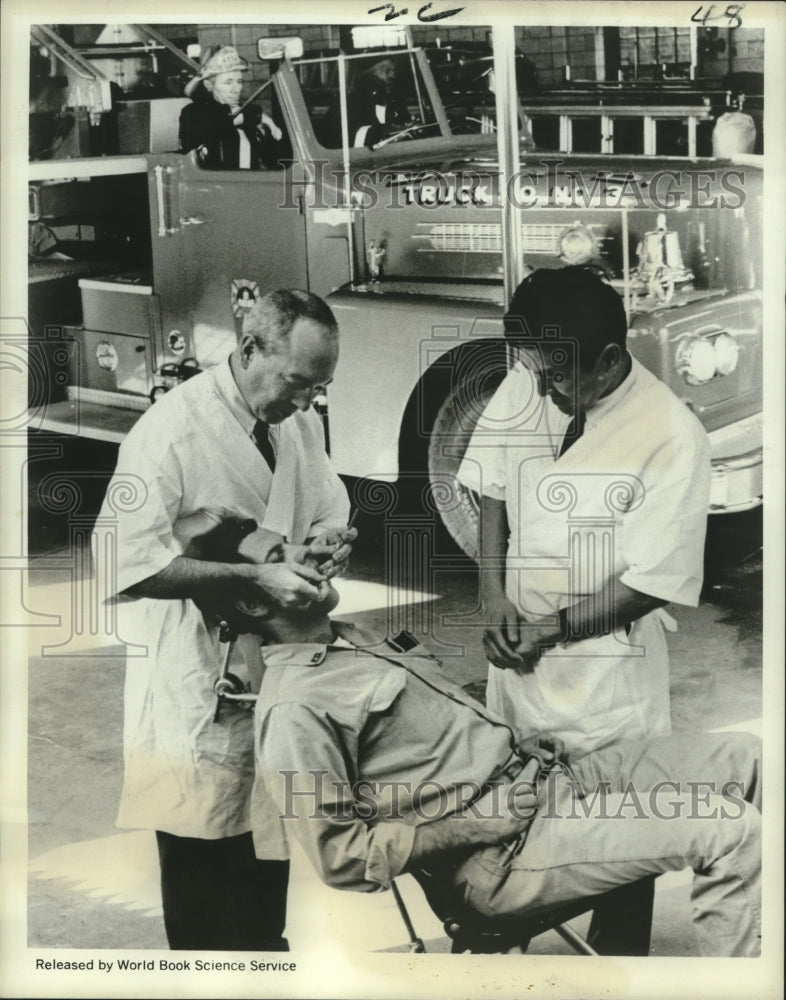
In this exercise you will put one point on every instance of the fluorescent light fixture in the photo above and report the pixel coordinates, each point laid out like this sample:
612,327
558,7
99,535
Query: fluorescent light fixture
378,36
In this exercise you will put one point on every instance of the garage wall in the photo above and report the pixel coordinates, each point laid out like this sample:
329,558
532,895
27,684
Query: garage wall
550,48
426,36
87,34
244,38
726,50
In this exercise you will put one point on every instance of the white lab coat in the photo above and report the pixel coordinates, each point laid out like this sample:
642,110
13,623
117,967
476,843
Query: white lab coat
627,501
191,452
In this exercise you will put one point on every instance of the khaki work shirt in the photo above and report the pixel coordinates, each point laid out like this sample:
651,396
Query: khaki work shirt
327,715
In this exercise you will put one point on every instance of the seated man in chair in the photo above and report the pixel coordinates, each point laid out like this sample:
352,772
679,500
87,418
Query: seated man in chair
378,764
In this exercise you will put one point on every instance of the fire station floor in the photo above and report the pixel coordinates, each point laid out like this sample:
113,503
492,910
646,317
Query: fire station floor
94,886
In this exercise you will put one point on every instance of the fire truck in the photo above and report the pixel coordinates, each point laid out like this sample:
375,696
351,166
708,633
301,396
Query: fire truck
416,244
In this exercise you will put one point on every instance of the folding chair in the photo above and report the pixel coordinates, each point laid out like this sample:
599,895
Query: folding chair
631,904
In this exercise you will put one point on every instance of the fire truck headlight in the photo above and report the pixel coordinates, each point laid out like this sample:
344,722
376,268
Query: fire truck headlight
696,360
577,244
727,352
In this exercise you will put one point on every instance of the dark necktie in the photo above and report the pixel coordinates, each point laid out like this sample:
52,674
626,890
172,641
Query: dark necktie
573,432
262,441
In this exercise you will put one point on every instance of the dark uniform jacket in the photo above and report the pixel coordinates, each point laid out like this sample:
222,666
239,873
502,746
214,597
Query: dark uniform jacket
206,123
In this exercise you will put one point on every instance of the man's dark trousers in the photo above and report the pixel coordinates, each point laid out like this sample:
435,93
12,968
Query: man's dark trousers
217,896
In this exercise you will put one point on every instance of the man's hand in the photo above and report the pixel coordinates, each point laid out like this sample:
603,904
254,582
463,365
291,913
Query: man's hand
501,630
501,814
267,123
331,551
534,640
549,748
290,584
507,810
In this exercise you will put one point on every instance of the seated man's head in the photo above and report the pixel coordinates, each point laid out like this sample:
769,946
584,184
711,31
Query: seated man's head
224,537
276,624
287,353
570,328
268,619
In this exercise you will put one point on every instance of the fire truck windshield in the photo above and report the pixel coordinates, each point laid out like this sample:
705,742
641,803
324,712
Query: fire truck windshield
386,100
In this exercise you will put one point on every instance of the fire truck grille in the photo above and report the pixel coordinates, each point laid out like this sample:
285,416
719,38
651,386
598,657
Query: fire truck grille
478,237
463,237
543,238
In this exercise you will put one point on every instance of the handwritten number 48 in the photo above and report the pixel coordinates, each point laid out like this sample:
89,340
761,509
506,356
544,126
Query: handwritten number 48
731,13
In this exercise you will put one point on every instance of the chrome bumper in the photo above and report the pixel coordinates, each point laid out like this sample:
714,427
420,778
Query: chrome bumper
737,466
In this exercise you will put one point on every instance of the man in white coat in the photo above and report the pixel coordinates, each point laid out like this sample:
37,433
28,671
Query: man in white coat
239,441
594,481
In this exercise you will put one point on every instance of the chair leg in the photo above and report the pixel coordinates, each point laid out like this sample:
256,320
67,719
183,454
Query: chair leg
576,941
622,924
415,945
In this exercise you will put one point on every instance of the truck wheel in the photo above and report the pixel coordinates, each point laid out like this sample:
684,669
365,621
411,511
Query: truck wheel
453,427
